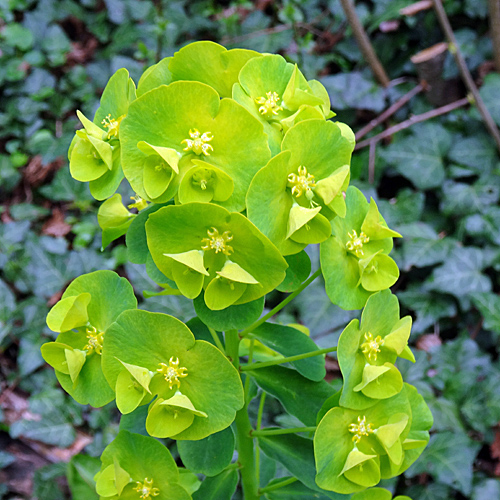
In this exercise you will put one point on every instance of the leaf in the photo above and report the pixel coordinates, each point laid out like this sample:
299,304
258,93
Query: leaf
489,306
80,473
300,492
299,268
489,93
422,252
463,199
432,491
487,488
221,487
209,456
449,458
477,152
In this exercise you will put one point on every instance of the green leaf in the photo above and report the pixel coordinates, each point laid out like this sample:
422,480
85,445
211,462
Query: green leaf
489,92
80,474
422,252
487,488
477,152
298,491
463,199
221,487
209,456
69,313
489,306
299,269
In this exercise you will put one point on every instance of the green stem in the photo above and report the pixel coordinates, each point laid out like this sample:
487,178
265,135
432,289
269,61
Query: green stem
265,364
244,442
277,432
281,305
259,425
277,486
216,339
247,378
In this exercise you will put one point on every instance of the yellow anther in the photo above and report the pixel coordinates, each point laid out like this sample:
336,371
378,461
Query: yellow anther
95,340
112,125
146,488
198,142
360,429
372,346
269,104
356,243
302,183
218,242
139,203
172,372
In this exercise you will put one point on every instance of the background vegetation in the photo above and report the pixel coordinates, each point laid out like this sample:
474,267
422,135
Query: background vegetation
436,182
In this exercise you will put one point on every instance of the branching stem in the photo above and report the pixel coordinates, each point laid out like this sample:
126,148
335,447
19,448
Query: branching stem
277,486
277,432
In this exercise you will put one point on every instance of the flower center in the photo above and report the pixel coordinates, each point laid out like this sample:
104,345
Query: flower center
302,183
139,203
202,178
172,372
112,125
362,428
94,340
269,104
198,142
146,488
218,242
355,244
372,346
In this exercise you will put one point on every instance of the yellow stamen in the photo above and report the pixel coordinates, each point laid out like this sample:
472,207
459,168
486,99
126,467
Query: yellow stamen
302,183
372,346
139,203
112,125
198,142
218,242
146,488
360,429
356,243
172,372
269,104
95,340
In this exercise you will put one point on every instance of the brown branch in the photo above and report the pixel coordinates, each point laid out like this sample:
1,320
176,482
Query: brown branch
464,71
389,112
411,121
494,9
364,42
372,154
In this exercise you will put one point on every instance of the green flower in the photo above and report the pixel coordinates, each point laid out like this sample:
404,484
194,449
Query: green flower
354,260
134,467
182,140
114,219
367,352
204,247
293,197
151,355
355,449
277,93
94,153
87,308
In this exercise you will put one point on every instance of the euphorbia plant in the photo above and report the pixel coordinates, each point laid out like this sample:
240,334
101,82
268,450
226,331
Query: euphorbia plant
236,168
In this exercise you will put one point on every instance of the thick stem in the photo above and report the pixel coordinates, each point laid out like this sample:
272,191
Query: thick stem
277,486
244,443
217,340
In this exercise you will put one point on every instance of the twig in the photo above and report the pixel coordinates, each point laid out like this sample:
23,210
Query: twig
494,9
371,162
464,71
412,120
389,112
364,42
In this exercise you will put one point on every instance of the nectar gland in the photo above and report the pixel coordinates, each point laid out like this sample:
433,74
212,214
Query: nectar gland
302,183
139,203
356,243
95,339
269,104
112,125
372,346
146,488
218,242
198,142
172,372
362,428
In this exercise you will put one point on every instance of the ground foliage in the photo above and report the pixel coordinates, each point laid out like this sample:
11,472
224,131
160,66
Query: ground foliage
436,183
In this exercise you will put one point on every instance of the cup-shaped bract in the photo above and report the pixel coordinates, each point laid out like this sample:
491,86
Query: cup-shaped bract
176,128
90,304
368,350
293,197
277,93
197,390
349,445
114,219
203,246
135,466
355,260
94,153
377,494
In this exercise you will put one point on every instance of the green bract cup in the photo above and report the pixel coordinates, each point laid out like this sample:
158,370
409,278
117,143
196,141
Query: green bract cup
183,140
94,153
293,197
197,390
135,466
377,494
114,219
350,446
277,93
203,246
367,352
354,260
87,308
